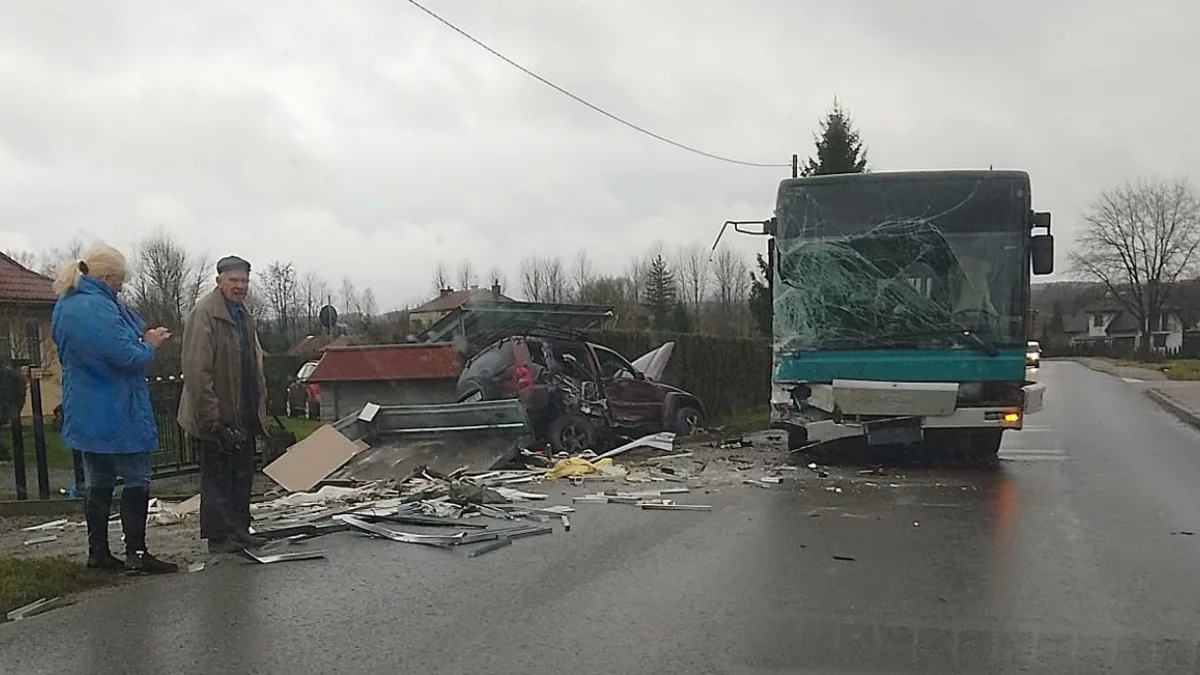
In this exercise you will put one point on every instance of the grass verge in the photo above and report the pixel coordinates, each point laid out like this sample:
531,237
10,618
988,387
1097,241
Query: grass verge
23,581
301,427
1184,369
751,419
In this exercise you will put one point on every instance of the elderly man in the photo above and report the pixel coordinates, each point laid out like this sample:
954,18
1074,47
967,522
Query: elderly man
224,405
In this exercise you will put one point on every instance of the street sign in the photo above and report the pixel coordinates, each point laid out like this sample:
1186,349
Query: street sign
328,317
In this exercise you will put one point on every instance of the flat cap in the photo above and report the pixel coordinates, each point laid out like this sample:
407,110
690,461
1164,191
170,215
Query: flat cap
230,263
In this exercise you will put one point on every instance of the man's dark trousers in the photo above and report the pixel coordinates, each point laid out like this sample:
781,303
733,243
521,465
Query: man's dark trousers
226,480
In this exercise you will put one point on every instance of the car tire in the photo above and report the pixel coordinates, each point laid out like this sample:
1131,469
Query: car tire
688,420
571,434
288,410
312,409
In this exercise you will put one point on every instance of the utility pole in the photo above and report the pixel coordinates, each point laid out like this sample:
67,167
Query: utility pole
795,166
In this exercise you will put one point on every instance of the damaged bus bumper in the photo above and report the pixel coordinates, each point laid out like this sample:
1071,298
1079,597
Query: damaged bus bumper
887,413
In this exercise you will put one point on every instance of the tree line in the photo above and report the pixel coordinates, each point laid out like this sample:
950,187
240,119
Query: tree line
168,279
686,289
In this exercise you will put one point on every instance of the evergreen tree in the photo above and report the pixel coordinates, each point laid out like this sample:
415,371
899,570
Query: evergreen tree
839,148
760,297
659,293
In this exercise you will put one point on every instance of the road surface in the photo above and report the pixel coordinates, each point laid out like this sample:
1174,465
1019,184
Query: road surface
1066,559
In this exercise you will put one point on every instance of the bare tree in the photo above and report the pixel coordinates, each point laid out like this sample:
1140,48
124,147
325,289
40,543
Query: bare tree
496,277
466,274
167,280
533,279
313,294
351,301
367,304
557,286
1139,240
441,277
56,256
582,275
281,295
731,284
26,259
694,274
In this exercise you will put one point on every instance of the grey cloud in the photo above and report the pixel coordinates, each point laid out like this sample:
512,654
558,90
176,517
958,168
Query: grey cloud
368,140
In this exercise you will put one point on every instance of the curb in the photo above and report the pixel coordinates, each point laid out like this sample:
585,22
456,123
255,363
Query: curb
1183,414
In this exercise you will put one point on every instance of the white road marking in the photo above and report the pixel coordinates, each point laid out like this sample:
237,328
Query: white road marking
1033,455
1130,380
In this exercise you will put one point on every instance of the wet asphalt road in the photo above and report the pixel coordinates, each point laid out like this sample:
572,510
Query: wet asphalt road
1061,561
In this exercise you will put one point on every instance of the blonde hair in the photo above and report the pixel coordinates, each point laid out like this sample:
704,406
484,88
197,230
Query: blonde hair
101,261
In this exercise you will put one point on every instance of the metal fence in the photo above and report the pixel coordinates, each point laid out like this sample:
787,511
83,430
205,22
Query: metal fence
177,452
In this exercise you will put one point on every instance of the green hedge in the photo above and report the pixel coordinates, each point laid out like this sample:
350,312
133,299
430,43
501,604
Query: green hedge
727,374
278,369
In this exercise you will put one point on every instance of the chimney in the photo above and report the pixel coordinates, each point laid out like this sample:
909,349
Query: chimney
496,289
445,292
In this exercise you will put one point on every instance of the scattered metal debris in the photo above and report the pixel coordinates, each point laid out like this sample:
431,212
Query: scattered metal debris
196,567
34,608
491,546
266,557
45,539
52,525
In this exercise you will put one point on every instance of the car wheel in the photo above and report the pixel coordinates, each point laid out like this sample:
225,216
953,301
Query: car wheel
571,434
688,421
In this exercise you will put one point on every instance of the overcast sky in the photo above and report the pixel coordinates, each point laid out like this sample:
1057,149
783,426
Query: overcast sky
363,138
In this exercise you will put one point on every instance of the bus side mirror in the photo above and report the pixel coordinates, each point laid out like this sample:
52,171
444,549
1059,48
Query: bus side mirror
1041,253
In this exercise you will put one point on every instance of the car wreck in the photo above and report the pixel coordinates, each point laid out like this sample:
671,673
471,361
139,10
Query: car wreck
580,395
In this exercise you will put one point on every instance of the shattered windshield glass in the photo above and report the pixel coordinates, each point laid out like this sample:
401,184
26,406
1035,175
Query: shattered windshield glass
901,264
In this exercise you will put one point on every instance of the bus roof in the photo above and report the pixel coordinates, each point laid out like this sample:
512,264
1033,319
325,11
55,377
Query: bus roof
904,176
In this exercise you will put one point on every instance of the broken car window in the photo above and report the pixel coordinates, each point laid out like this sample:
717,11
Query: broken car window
612,365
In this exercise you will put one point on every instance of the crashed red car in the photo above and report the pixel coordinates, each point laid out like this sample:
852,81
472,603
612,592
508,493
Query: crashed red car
580,395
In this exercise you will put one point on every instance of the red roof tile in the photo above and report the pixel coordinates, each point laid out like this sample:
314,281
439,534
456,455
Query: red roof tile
21,284
387,362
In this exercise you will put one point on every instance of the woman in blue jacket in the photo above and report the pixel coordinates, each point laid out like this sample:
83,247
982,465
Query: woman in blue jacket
104,349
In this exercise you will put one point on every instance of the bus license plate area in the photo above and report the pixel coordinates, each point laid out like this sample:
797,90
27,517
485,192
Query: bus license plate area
894,431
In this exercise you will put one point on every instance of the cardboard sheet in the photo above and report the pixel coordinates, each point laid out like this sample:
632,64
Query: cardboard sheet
312,460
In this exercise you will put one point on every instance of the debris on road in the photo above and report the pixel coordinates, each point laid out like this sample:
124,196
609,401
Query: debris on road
845,558
268,557
44,539
52,525
34,608
664,440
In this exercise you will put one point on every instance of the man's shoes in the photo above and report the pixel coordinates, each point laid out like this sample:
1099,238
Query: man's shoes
246,539
141,562
224,546
104,560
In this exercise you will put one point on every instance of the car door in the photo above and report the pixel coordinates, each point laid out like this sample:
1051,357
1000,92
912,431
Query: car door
631,399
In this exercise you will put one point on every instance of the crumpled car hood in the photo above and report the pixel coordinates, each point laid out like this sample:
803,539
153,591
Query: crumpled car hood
653,363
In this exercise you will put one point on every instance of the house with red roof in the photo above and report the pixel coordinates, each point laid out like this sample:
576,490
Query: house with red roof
399,374
449,300
26,303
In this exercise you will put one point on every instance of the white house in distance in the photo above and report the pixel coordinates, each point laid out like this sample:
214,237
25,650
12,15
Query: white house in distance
1110,324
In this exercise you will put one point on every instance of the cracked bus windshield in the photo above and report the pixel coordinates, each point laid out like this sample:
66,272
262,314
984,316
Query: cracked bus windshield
918,264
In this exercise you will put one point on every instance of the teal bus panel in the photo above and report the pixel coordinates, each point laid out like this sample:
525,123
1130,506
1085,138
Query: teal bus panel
903,365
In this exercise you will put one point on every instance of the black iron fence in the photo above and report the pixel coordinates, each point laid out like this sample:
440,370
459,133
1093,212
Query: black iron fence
177,452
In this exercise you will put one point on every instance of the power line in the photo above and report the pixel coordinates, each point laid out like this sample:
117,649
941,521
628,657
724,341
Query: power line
594,107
